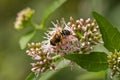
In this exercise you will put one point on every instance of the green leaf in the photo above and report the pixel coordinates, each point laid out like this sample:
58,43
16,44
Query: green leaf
95,61
26,38
31,76
56,4
92,76
110,34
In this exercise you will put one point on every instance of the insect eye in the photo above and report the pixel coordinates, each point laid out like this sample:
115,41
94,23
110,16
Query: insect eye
65,32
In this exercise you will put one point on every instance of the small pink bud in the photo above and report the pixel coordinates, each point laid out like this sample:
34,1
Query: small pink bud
81,20
41,62
33,44
79,26
92,24
73,25
33,64
44,60
37,58
77,21
88,25
32,49
84,28
71,19
43,69
97,27
88,20
94,30
27,51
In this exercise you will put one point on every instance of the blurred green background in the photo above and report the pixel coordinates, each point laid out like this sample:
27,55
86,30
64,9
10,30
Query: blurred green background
14,63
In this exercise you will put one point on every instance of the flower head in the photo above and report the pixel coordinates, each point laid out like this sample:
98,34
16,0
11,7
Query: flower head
44,59
61,39
114,63
87,32
76,36
23,18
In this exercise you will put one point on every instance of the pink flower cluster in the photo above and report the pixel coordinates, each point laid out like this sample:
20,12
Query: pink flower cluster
23,17
84,35
44,59
87,32
77,36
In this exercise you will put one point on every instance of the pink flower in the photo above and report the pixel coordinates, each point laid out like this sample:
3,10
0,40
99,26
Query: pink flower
44,59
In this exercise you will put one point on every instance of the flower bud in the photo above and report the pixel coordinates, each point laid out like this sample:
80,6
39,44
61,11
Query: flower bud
114,62
23,18
44,59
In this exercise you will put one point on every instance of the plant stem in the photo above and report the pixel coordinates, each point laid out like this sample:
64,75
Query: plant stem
55,58
36,26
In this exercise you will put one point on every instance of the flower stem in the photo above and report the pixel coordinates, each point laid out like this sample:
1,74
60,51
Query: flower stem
55,58
36,26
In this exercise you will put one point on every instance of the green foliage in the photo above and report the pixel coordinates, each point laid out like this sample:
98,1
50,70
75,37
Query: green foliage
26,38
95,61
10,53
111,38
55,5
31,76
93,76
110,34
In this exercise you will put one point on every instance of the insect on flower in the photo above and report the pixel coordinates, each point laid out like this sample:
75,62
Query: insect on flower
58,36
